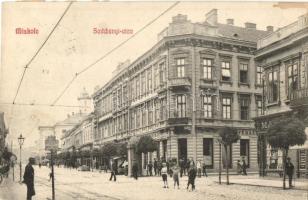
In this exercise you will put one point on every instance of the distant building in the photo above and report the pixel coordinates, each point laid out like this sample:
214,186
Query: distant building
44,132
198,78
283,55
3,131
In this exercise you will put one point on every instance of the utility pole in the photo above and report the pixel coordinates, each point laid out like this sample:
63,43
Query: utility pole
52,176
13,162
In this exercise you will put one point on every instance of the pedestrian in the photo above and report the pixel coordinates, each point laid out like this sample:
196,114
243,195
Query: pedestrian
199,168
164,174
244,167
29,179
192,172
187,166
204,169
135,170
176,176
40,165
113,171
182,167
289,171
155,166
150,168
159,166
239,167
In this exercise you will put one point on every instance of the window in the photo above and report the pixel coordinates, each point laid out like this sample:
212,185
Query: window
157,109
162,72
207,65
144,120
259,107
207,106
125,94
163,109
208,152
149,79
150,113
259,75
244,150
133,91
138,118
244,108
137,87
180,67
143,83
292,78
132,121
243,73
114,96
272,78
225,71
119,97
181,105
156,77
226,107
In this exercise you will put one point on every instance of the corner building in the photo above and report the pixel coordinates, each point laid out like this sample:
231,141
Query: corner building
198,78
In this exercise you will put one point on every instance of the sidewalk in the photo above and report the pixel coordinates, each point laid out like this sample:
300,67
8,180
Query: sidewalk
255,180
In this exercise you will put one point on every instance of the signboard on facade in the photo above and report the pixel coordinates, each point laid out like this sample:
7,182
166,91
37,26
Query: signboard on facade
51,143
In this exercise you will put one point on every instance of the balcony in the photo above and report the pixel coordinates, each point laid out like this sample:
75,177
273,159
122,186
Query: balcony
183,82
299,98
179,118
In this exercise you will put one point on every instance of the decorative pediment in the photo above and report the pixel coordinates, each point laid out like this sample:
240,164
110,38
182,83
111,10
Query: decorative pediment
179,51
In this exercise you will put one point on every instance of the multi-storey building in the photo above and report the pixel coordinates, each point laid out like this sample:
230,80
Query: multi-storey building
198,78
80,139
44,132
283,55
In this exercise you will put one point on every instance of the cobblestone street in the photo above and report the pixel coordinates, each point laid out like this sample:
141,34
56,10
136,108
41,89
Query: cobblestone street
72,184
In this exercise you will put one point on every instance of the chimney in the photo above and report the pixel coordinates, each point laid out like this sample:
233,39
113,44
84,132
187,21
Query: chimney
211,17
250,25
230,22
270,28
179,18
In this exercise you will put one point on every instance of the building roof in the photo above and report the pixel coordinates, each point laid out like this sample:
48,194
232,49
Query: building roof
72,119
241,33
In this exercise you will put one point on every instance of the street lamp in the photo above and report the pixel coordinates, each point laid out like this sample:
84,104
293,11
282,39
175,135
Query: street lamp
21,140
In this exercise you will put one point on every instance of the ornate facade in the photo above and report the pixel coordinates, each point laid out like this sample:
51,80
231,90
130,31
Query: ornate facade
283,55
198,78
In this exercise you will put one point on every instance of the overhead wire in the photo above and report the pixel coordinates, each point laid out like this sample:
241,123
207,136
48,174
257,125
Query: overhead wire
112,50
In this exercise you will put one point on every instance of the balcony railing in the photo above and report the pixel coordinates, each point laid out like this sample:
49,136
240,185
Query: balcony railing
299,97
174,82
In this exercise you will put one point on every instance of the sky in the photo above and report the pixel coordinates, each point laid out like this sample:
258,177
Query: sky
73,46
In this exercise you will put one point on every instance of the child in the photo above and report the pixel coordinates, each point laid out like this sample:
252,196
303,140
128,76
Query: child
176,170
164,174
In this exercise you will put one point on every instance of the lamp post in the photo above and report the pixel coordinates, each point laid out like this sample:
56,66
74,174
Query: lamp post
21,140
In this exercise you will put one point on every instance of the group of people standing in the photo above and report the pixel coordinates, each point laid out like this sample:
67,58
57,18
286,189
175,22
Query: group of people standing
175,171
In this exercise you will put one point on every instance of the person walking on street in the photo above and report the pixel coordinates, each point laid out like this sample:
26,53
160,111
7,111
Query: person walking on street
113,171
204,169
182,167
175,175
199,168
159,166
155,166
192,172
164,174
239,167
29,179
244,167
289,171
150,168
135,170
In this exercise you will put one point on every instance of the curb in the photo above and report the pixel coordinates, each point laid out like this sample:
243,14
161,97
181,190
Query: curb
266,186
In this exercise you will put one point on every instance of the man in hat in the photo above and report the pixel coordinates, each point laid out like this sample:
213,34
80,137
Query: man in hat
289,170
29,179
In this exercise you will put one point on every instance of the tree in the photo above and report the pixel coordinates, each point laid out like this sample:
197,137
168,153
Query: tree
282,134
121,149
228,136
146,144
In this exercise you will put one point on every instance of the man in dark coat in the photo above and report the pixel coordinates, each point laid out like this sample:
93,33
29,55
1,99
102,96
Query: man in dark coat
135,170
114,169
29,179
192,173
155,166
289,171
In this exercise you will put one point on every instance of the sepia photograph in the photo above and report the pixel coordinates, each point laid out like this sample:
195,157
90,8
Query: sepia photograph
154,100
